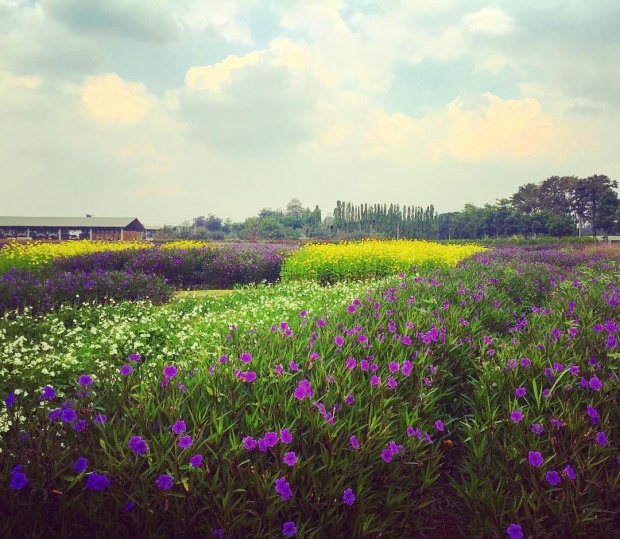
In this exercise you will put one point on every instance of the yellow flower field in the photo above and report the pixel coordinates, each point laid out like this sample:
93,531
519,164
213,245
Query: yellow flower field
370,258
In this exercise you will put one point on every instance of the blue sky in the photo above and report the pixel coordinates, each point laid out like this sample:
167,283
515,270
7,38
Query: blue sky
170,109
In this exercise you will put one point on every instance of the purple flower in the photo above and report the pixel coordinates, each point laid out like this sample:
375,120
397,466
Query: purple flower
179,427
391,382
170,371
138,445
516,416
535,458
85,380
164,482
271,438
374,380
290,458
80,465
285,436
293,366
195,461
593,414
246,357
354,443
339,340
601,438
350,399
595,383
100,419
129,506
54,414
348,497
18,478
134,357
570,473
514,531
249,443
407,367
48,393
351,363
68,415
386,454
185,442
283,488
250,376
520,392
393,366
439,425
546,393
9,400
553,478
125,370
262,445
537,428
79,426
97,482
289,529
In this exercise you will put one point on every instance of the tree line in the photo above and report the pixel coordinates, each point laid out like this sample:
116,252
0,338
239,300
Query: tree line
558,206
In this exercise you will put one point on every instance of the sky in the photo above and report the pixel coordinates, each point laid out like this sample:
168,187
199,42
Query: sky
166,110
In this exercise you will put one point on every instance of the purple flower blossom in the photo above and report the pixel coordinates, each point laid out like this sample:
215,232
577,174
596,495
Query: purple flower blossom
354,442
97,482
10,399
85,380
393,366
138,445
351,363
178,427
514,531
595,383
68,415
348,497
364,365
129,506
250,376
535,458
195,461
407,367
290,458
283,488
170,371
520,392
80,465
374,380
271,438
125,370
79,426
339,340
289,529
537,428
593,414
18,478
249,443
262,446
516,416
553,478
293,366
570,473
54,414
164,482
246,357
185,442
386,454
350,399
391,382
134,357
48,393
100,419
285,436
601,438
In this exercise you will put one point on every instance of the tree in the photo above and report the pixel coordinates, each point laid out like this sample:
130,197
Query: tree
527,198
213,223
587,196
294,208
608,213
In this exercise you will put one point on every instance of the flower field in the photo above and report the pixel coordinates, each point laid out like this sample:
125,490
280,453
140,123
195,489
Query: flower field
474,399
368,259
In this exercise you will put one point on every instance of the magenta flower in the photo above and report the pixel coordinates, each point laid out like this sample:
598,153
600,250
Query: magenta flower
271,438
354,442
290,458
348,497
185,442
289,529
138,445
537,428
520,392
393,366
250,376
249,443
516,416
85,380
374,380
386,454
246,357
262,446
178,427
514,531
293,366
350,399
339,340
195,461
391,382
407,367
283,488
439,425
535,458
164,482
553,478
285,436
595,383
570,473
351,363
601,438
134,357
125,370
170,371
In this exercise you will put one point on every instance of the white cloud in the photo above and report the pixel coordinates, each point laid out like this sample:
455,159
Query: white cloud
111,100
489,20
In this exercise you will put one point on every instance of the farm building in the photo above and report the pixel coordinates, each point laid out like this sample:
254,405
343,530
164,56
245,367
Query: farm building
72,228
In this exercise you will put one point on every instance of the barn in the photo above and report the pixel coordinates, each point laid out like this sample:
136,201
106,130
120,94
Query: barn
72,228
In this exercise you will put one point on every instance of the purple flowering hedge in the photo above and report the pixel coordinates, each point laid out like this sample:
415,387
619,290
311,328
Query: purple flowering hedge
476,401
129,275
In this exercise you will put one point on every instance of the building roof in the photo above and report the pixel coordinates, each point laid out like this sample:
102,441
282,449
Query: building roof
70,222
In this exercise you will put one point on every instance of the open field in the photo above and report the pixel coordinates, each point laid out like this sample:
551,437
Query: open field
482,395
